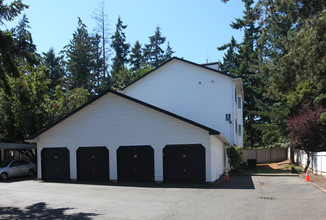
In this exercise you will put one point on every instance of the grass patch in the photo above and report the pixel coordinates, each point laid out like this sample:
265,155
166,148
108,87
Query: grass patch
269,170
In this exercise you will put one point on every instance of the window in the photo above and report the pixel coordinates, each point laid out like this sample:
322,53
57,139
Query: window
239,130
239,102
228,117
235,95
236,126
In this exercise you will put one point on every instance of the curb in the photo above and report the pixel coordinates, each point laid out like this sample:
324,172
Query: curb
319,187
267,174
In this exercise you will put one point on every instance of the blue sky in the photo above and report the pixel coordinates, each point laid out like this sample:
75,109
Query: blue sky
194,28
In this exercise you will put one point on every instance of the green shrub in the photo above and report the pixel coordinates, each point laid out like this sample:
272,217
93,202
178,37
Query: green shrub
296,169
252,163
235,156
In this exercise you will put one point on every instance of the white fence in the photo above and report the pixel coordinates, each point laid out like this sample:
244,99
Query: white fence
265,155
317,161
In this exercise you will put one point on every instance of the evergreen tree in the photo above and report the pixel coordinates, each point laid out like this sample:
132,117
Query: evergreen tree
23,36
168,52
153,51
136,56
292,60
9,49
80,59
230,62
100,80
120,47
55,70
242,64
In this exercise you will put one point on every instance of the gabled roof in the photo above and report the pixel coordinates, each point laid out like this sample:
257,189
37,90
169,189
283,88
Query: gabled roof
210,130
186,61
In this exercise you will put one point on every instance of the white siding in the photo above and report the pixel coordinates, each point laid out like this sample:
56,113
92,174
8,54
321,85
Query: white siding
238,113
113,121
191,91
217,158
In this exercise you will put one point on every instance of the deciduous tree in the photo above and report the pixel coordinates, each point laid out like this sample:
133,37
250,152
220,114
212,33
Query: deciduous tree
307,132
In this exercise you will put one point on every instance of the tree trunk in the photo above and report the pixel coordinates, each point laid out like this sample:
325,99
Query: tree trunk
291,154
308,161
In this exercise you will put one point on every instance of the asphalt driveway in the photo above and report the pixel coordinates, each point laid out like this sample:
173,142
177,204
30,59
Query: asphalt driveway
243,197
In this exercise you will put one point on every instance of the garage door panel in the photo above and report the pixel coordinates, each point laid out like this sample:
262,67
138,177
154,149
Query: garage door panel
184,163
55,164
92,164
135,163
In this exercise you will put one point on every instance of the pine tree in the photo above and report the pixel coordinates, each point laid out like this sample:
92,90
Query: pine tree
168,52
120,47
100,80
23,36
55,70
230,61
136,56
9,49
242,64
80,57
292,60
153,51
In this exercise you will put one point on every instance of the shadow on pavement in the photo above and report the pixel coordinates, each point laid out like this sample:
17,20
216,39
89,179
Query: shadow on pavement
235,182
18,179
41,211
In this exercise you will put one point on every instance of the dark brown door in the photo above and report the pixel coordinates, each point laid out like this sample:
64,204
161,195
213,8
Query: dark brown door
55,164
184,163
93,164
135,163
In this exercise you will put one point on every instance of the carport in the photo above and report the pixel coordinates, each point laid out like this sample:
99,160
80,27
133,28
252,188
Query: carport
8,150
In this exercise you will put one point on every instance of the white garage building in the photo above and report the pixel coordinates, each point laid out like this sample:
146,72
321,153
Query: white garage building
131,136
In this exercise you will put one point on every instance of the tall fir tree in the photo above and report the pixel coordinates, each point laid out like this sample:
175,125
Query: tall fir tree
55,69
230,61
168,52
136,57
242,64
120,47
23,36
80,59
100,79
9,48
153,51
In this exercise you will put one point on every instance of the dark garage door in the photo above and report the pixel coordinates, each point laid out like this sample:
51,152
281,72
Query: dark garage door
135,163
184,163
93,164
55,164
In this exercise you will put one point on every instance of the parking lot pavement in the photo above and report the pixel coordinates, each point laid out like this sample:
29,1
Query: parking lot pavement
243,197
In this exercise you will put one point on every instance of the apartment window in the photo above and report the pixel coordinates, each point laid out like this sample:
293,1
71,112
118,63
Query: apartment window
239,130
228,117
235,95
239,102
236,126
